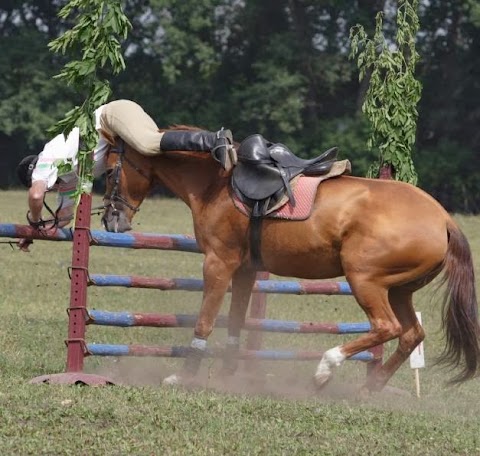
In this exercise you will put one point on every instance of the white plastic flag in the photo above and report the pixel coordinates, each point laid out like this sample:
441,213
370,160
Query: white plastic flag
417,358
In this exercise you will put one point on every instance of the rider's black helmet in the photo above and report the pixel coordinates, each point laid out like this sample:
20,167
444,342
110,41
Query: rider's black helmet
25,169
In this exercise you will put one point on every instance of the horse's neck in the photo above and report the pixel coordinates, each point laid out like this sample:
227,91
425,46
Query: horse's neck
192,178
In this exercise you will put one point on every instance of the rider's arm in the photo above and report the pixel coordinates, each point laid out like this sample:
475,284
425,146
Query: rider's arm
65,202
36,194
44,177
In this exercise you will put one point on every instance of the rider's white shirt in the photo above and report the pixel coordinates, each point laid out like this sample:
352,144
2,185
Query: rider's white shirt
60,149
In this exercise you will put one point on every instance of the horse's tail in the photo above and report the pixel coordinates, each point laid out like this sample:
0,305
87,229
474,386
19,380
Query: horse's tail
460,313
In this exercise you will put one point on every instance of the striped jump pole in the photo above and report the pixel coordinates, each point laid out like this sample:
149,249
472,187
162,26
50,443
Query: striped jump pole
302,287
245,354
257,326
102,238
154,320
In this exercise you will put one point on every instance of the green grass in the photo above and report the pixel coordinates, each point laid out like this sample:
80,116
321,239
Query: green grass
281,415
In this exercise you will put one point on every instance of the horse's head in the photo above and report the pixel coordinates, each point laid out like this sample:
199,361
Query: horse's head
129,177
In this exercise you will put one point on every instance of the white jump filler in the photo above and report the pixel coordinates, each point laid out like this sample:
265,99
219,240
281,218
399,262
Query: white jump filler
417,358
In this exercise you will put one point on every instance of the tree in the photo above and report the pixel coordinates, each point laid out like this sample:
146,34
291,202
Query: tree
30,100
393,93
97,27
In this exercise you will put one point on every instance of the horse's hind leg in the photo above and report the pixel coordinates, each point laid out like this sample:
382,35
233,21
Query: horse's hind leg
242,284
412,335
373,298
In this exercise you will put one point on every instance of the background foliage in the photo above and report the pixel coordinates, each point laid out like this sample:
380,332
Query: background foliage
279,68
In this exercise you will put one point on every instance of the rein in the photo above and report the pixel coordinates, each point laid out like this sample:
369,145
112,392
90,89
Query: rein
53,222
115,196
42,224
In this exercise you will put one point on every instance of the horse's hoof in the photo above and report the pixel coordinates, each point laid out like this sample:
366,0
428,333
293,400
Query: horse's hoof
321,380
173,379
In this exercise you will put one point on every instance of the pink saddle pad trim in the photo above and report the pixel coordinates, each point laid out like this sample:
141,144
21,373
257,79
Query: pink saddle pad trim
304,192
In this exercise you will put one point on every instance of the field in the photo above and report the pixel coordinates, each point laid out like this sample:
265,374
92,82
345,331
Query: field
281,415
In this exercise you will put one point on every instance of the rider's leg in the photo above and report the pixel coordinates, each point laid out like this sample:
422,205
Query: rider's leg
128,120
219,144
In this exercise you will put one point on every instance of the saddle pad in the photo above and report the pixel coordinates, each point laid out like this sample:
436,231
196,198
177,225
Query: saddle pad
304,190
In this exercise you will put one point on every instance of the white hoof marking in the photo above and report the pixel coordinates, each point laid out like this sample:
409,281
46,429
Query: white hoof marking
331,358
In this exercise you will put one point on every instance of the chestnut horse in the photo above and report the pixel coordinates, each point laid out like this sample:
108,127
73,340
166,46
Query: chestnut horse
388,238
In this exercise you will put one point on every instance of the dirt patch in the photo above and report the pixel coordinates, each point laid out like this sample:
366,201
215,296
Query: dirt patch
250,379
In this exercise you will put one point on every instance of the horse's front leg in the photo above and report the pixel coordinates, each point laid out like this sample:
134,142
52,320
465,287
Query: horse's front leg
217,275
242,284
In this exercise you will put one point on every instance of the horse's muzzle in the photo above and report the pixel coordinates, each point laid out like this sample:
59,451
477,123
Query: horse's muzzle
115,221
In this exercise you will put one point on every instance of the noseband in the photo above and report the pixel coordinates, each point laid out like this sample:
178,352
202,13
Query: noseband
115,196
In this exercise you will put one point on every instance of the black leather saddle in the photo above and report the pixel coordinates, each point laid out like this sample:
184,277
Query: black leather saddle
264,170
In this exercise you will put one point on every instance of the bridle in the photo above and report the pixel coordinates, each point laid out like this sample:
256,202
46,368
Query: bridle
115,196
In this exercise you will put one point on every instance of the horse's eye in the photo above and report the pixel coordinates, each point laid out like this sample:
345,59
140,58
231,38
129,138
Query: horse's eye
109,172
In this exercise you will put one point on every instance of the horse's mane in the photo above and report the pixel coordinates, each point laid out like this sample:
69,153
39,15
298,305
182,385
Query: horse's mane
181,127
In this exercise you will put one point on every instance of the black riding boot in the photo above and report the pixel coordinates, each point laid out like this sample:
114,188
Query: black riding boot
219,144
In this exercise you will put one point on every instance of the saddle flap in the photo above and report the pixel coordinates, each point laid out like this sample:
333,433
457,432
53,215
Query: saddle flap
256,181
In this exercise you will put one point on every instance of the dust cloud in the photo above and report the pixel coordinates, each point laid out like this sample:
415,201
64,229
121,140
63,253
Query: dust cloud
252,379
